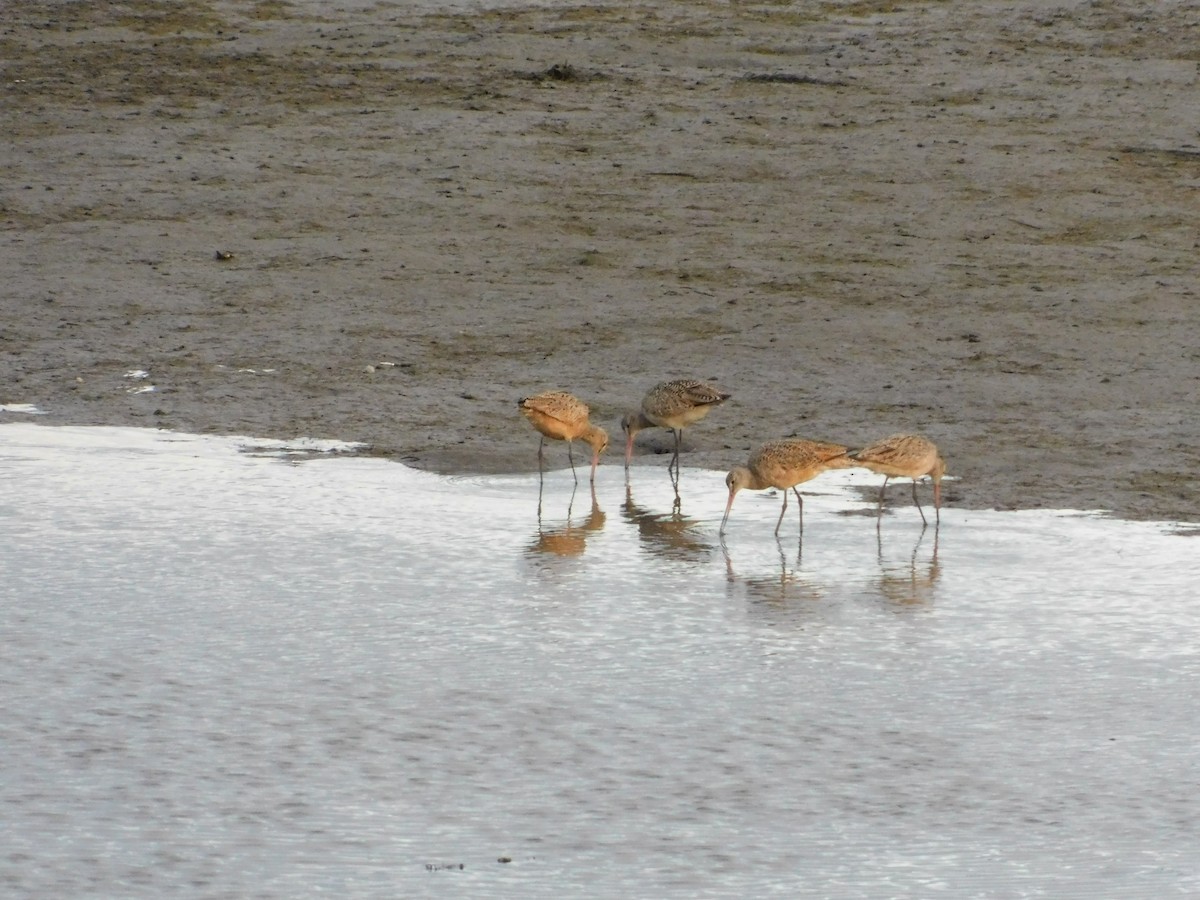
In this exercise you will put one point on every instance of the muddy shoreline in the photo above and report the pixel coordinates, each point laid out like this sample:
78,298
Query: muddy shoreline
974,220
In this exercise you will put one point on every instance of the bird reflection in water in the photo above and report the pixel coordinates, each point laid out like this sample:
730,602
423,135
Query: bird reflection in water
788,585
909,581
568,538
670,535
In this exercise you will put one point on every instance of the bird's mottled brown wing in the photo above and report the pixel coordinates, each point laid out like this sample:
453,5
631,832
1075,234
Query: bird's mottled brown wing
895,448
675,404
899,453
699,393
829,454
797,455
559,405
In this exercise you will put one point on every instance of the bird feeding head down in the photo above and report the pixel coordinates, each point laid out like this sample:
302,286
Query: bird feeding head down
736,480
631,424
596,438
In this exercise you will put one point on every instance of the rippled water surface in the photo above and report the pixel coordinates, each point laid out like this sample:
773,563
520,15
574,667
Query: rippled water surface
230,669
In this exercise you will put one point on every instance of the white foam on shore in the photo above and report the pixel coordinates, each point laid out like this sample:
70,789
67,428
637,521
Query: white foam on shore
23,408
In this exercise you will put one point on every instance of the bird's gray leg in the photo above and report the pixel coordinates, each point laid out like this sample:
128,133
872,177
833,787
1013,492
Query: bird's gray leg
917,503
882,488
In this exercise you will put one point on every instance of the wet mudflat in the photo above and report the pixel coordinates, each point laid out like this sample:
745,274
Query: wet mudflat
386,222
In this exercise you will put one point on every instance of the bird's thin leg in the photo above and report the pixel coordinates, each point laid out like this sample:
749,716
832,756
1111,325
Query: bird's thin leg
882,488
781,512
571,459
541,449
800,503
918,504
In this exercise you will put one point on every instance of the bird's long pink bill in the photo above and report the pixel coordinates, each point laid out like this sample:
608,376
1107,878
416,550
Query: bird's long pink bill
728,507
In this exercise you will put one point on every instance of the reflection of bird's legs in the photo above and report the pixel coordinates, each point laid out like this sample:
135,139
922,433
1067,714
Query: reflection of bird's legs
916,547
782,564
784,575
783,556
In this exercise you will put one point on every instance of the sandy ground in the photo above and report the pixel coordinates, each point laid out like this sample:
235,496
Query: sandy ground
978,220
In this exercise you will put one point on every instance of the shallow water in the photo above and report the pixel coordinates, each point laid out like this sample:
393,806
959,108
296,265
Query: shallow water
275,673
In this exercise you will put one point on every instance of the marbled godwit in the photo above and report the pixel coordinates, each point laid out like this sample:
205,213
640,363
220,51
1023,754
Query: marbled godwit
784,464
908,455
673,405
563,417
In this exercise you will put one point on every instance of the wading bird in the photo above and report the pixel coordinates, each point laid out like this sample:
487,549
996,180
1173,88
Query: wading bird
783,464
673,405
563,417
909,456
